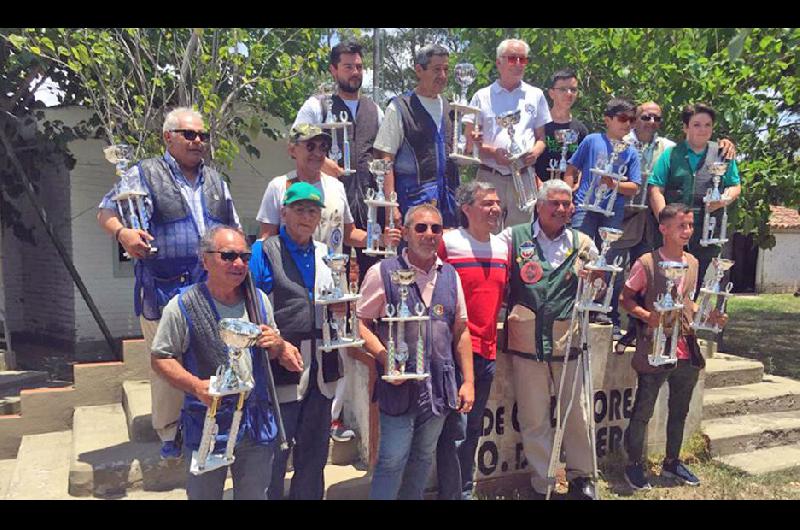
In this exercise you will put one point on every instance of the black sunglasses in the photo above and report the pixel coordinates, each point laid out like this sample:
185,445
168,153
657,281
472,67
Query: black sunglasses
421,228
322,146
191,135
648,117
229,255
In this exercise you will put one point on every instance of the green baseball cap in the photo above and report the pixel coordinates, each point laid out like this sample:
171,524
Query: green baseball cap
305,131
302,191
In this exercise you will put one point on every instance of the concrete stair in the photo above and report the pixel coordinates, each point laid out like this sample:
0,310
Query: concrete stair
725,370
746,433
763,461
12,381
6,470
41,469
772,394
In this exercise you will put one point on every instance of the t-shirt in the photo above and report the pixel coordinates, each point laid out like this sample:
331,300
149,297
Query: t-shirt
482,267
311,111
637,282
552,149
390,135
270,210
661,170
585,159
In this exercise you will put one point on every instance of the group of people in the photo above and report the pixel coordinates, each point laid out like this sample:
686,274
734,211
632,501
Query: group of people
472,252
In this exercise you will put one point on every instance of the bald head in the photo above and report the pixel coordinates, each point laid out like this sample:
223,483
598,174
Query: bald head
650,106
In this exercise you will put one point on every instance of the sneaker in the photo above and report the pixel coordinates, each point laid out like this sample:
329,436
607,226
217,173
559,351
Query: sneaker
678,471
602,318
636,478
616,332
340,433
582,489
170,450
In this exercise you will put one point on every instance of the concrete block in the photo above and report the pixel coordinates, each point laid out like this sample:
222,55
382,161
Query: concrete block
344,453
42,467
764,461
100,383
10,405
772,394
136,402
730,370
12,382
740,434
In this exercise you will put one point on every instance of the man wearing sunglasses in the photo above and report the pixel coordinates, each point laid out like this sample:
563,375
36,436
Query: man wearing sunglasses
417,134
187,350
289,267
412,413
509,93
187,198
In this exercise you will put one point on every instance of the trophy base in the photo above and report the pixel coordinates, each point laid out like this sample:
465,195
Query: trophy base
636,207
464,109
406,319
527,207
334,125
381,204
703,327
661,361
347,172
597,308
705,290
344,299
125,195
342,343
380,252
709,242
597,209
406,377
604,268
219,392
213,461
667,308
464,160
615,176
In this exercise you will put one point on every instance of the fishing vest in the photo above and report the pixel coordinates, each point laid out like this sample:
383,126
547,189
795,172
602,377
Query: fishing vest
439,392
542,298
176,264
204,354
423,171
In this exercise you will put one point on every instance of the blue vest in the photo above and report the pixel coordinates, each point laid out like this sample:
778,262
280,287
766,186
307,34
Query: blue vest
438,393
202,357
423,171
177,237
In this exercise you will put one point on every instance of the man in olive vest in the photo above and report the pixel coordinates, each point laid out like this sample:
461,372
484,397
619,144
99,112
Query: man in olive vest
546,258
645,283
188,198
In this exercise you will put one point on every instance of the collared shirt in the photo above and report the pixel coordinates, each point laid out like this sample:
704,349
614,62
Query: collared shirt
661,171
555,250
192,193
373,297
495,100
303,256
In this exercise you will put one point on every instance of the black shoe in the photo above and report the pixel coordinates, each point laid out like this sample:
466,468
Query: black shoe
602,318
616,333
582,489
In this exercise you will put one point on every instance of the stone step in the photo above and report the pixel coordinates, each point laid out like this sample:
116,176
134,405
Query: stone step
725,369
13,381
6,471
764,461
344,453
42,467
106,463
772,394
10,405
346,482
137,404
747,433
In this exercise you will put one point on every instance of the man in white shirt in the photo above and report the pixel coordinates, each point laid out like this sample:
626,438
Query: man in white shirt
509,93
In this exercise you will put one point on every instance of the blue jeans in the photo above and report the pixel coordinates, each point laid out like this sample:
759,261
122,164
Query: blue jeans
251,471
405,454
458,443
308,421
590,222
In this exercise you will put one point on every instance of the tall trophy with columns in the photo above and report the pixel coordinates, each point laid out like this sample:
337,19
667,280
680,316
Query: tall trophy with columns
598,189
334,123
377,199
133,203
399,316
565,137
713,234
711,296
342,292
669,311
465,74
523,178
233,377
588,291
646,162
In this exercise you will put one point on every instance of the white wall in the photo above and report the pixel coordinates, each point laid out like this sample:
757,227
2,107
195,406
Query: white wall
776,269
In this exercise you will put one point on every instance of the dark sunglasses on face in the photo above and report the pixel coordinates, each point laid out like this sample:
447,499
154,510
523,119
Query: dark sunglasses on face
648,117
229,255
624,118
323,146
421,228
513,59
191,135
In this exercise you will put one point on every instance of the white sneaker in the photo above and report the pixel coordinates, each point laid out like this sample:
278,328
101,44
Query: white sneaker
340,433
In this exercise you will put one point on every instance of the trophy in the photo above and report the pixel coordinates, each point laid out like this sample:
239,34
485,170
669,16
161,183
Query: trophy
669,311
465,74
717,170
524,181
598,190
377,199
588,291
133,204
331,122
646,162
340,293
238,335
397,350
712,295
565,137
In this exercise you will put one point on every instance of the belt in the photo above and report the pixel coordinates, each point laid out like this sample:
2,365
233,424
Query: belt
490,169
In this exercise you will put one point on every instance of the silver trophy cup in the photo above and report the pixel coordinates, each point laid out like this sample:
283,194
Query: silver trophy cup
713,234
465,74
523,177
589,290
399,316
669,311
711,296
342,294
599,190
376,198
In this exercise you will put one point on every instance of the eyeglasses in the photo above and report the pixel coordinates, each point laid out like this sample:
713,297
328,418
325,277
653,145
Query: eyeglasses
649,117
229,255
421,228
564,90
555,203
322,146
625,118
306,210
191,135
514,59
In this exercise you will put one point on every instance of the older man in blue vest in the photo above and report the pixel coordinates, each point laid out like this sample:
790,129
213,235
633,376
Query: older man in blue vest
188,198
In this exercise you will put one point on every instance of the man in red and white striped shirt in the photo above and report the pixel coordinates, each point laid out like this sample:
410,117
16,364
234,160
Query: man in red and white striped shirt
481,260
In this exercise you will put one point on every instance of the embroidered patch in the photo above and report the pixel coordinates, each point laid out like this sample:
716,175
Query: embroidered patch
438,310
336,237
531,272
529,108
527,249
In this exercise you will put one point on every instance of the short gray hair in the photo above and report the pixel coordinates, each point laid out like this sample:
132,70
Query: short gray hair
503,46
414,209
207,241
553,185
172,120
423,57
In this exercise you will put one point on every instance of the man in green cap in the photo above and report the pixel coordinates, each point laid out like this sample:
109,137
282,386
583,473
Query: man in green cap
289,268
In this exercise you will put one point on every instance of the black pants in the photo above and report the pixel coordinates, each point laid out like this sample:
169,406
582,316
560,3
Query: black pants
681,381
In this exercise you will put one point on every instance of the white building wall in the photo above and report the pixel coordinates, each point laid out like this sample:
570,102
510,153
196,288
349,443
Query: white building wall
776,269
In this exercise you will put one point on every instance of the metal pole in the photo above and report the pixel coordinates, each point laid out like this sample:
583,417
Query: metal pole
376,65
